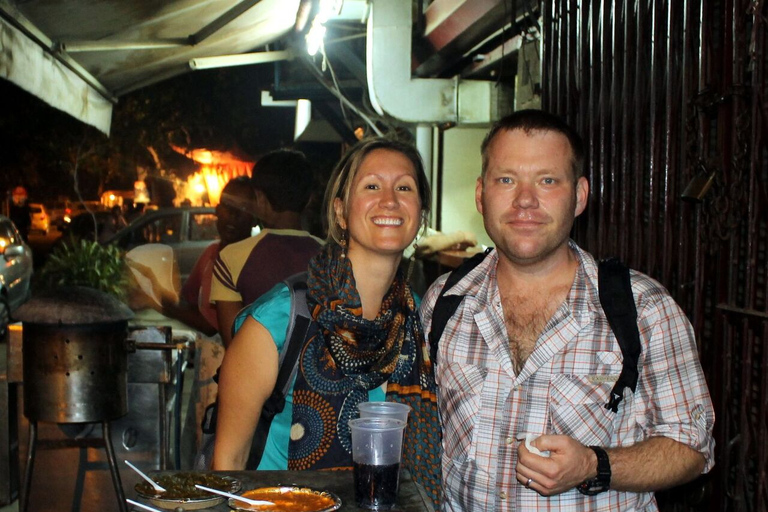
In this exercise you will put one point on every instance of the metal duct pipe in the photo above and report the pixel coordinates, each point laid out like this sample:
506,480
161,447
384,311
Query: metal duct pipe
417,100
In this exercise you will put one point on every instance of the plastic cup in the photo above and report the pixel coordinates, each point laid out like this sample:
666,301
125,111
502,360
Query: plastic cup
377,448
390,410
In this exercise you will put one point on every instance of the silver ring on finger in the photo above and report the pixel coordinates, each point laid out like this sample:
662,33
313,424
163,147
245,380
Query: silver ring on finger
528,483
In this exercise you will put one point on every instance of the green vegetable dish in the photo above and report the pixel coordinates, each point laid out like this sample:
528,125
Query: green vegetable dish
181,486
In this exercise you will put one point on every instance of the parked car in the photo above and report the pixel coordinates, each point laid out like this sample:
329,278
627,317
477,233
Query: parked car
62,212
40,219
15,271
187,230
56,211
84,225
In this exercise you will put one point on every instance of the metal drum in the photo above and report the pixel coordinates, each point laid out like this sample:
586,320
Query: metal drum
75,356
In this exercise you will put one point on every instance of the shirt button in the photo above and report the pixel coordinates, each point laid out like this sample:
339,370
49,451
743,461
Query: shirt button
503,495
510,440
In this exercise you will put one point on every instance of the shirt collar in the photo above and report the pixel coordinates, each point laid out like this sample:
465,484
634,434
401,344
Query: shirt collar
478,280
583,300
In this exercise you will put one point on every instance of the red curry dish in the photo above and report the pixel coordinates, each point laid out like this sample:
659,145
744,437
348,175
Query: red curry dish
294,499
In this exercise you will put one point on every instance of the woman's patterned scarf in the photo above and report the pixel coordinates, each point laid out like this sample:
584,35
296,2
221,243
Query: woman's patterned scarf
348,356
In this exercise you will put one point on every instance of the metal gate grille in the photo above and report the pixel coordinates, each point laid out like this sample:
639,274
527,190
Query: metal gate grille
672,98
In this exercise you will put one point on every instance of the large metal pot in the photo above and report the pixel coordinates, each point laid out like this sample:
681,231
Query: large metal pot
75,356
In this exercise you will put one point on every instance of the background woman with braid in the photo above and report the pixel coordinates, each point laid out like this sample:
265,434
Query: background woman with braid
366,342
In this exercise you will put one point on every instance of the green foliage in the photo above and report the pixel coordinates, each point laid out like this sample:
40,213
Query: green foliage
86,263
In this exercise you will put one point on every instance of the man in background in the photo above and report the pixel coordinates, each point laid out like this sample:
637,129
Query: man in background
282,181
20,213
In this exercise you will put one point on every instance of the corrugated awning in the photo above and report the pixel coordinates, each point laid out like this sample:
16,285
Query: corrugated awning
79,56
25,64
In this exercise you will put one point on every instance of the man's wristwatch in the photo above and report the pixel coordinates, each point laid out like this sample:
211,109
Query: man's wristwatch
602,481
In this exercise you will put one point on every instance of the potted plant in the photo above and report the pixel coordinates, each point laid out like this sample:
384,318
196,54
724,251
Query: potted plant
85,263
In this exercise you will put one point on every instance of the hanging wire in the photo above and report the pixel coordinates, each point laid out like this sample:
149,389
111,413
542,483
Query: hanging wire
327,63
333,90
529,12
503,41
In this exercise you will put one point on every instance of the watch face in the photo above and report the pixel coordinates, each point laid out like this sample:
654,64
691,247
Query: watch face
592,487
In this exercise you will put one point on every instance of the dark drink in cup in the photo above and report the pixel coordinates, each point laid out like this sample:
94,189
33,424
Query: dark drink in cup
377,447
376,486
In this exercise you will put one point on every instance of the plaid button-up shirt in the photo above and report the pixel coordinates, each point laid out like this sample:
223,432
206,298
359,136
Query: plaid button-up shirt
562,389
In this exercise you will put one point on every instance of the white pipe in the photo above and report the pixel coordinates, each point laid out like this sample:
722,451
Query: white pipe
424,145
107,46
240,59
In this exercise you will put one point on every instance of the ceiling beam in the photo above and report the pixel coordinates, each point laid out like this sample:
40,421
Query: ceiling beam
483,62
221,22
453,27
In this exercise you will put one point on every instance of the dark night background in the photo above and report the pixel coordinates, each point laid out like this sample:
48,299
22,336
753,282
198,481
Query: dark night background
215,109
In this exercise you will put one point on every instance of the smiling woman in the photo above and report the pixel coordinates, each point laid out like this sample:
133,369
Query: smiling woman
364,323
384,207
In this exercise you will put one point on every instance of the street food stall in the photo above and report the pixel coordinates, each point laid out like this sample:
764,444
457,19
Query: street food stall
69,468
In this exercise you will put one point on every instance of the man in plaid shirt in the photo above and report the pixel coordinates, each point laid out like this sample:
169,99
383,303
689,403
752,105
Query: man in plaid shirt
529,353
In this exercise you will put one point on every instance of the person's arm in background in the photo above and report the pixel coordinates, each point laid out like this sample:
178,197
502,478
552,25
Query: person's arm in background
187,313
169,304
224,293
226,311
187,309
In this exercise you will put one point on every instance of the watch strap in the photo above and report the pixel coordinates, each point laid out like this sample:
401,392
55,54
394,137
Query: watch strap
602,481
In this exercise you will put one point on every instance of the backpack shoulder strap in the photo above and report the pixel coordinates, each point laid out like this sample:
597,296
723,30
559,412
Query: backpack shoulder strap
445,306
616,298
295,335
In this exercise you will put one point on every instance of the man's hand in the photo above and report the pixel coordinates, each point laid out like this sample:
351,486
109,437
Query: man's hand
569,463
651,465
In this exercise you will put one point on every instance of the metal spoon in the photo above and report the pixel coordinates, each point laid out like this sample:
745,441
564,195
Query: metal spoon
235,496
141,505
145,477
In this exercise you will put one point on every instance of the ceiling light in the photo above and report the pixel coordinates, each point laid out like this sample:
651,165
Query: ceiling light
327,10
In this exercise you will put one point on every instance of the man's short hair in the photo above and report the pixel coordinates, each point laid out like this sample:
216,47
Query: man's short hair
537,121
286,179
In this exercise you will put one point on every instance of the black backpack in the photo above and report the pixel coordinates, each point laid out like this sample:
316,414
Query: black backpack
615,297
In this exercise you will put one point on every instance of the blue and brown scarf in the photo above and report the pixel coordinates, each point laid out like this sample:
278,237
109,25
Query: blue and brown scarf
348,356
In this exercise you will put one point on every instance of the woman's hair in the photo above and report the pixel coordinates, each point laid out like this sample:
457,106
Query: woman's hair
344,174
